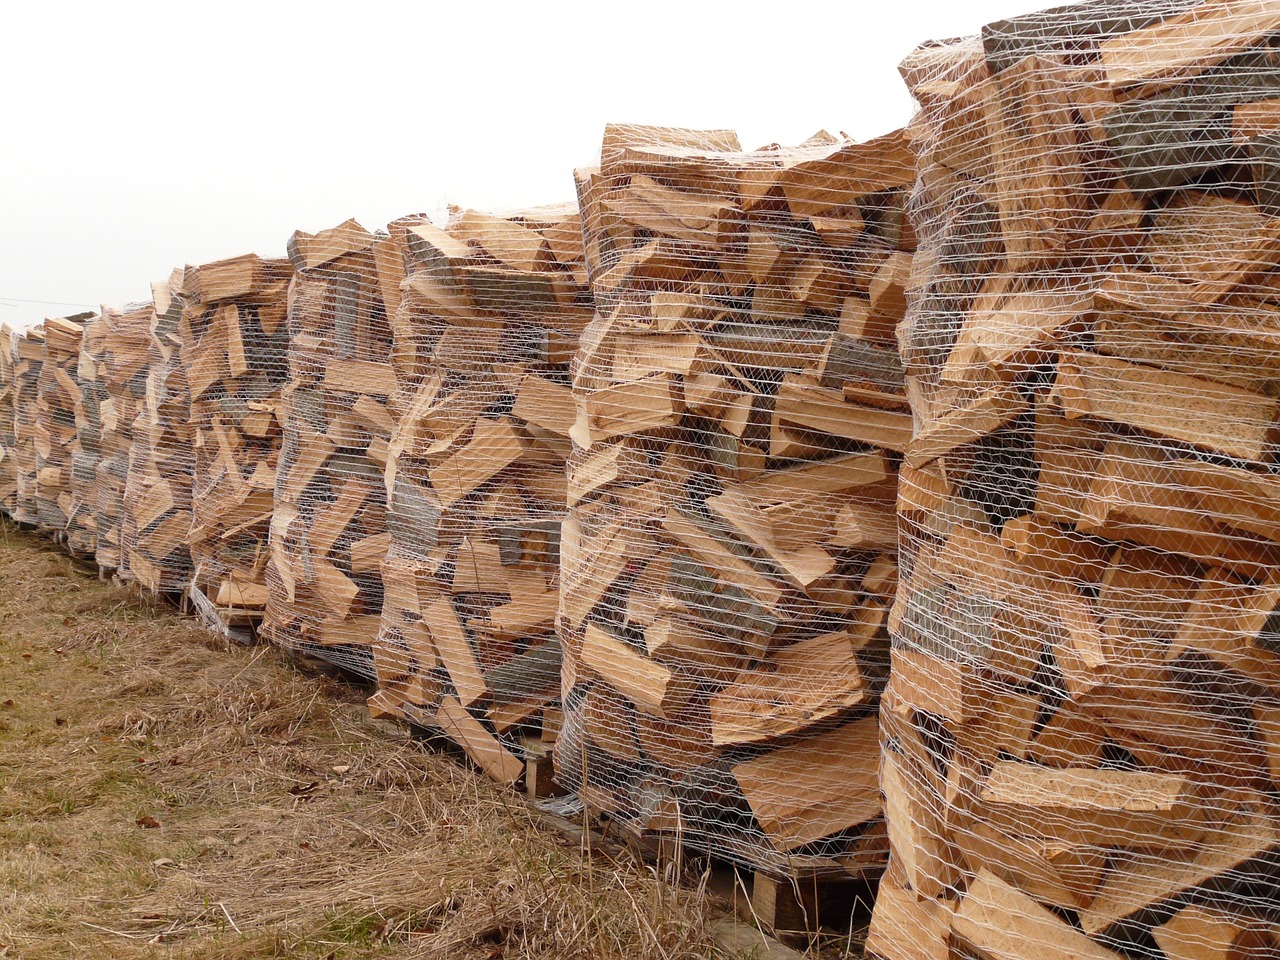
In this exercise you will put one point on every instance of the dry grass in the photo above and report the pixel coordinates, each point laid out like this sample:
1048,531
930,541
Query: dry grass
165,795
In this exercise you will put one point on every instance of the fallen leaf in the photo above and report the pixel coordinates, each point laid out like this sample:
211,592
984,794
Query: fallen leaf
7,703
59,721
300,789
164,862
340,769
148,822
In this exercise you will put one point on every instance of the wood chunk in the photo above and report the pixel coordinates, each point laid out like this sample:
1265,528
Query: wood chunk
1005,924
815,788
1103,807
484,750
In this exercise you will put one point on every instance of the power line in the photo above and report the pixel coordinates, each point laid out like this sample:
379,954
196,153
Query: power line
51,303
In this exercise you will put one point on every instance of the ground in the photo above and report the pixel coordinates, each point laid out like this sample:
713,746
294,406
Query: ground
165,794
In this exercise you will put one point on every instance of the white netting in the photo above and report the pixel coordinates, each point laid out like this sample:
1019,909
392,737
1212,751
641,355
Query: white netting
28,355
82,532
156,522
1081,736
234,347
122,371
56,442
491,313
8,442
329,531
729,556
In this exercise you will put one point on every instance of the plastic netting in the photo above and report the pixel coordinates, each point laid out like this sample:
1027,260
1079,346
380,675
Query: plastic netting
82,531
1081,737
8,442
329,531
729,557
28,355
122,371
56,442
235,349
156,519
491,313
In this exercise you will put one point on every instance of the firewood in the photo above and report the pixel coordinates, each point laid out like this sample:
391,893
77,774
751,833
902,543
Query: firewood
329,531
56,442
157,502
1080,758
8,441
729,556
490,311
234,343
28,355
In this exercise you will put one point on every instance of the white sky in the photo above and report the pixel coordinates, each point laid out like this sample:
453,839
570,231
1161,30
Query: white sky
135,137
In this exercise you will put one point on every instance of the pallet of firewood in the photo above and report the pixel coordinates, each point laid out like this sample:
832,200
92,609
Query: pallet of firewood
156,520
27,355
329,532
122,371
234,343
8,442
491,313
56,441
730,551
83,522
1082,729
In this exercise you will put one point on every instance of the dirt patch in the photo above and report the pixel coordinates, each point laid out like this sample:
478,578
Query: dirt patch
165,794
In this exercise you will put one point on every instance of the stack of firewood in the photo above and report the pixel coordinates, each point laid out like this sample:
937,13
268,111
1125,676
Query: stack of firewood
492,311
82,529
28,355
1082,731
729,556
8,444
122,370
234,349
157,502
56,442
329,532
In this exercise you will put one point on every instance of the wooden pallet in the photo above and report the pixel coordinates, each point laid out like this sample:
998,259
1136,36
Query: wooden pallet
238,624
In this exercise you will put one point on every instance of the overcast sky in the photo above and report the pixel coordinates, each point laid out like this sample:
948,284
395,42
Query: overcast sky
140,136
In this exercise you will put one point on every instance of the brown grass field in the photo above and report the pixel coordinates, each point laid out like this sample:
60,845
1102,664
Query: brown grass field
165,794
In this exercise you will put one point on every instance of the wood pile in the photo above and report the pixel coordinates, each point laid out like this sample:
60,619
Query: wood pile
729,556
56,442
28,355
122,371
1082,729
234,348
492,310
8,444
157,503
329,533
82,529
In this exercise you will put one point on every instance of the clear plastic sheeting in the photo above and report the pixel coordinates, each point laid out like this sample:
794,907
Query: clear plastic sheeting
8,443
329,531
1081,736
28,355
56,443
82,530
492,310
729,556
234,347
157,501
122,370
